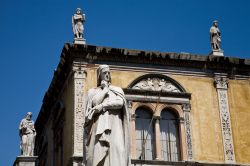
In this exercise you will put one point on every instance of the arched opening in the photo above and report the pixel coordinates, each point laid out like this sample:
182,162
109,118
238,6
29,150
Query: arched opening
170,140
144,134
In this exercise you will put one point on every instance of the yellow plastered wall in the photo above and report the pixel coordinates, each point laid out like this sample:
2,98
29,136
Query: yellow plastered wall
239,103
205,118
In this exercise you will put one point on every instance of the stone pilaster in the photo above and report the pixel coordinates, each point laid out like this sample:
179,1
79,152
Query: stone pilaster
221,84
186,108
157,138
79,94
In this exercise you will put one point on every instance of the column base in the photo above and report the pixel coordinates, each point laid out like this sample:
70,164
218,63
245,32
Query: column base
25,161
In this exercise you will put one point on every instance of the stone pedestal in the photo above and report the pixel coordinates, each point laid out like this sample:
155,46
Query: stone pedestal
217,53
79,41
25,161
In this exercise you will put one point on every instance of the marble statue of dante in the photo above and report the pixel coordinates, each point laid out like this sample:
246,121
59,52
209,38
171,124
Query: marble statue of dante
27,134
107,136
215,36
77,23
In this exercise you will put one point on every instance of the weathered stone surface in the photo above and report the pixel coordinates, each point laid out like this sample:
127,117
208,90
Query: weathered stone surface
215,39
25,161
27,134
77,24
107,123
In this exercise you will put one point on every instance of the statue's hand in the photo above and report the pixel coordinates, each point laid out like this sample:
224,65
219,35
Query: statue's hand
98,108
104,84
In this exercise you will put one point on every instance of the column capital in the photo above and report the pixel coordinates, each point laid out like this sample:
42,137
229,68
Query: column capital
157,117
221,81
181,120
186,107
133,117
129,104
79,72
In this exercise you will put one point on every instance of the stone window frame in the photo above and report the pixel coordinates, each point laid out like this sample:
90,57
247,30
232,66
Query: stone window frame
147,107
179,102
156,115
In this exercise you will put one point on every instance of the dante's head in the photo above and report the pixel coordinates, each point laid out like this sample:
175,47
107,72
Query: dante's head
103,73
29,115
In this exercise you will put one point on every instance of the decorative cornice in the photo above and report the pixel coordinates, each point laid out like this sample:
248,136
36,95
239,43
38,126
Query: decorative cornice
118,56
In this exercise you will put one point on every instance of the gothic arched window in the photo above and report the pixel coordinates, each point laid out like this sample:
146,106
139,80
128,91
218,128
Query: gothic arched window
144,134
169,126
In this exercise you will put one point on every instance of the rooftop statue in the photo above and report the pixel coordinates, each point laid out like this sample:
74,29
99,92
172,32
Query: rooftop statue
107,141
78,20
215,39
27,134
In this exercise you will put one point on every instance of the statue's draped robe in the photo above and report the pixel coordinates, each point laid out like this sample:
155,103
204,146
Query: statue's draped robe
77,24
107,134
27,134
215,37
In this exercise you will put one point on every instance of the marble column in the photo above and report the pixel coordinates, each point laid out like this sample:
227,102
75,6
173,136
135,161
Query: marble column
133,137
157,138
183,145
221,84
133,131
186,108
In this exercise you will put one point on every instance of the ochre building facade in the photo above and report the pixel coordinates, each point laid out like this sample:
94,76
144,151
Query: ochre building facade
184,109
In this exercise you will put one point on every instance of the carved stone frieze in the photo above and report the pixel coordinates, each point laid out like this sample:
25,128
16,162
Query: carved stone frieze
79,81
221,85
156,84
186,108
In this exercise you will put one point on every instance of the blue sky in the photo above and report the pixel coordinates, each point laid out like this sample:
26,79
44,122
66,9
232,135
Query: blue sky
33,32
